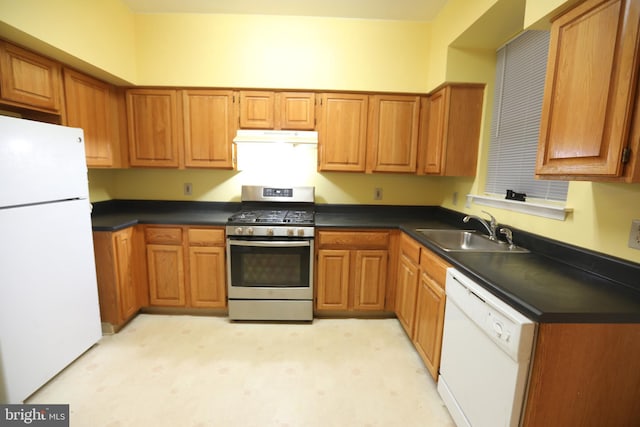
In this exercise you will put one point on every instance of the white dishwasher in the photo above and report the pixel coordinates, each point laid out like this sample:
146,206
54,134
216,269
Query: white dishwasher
486,351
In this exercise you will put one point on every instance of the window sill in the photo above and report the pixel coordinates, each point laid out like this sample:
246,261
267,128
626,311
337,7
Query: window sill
546,210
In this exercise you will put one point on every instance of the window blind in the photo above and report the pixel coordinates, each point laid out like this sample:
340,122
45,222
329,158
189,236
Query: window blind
519,87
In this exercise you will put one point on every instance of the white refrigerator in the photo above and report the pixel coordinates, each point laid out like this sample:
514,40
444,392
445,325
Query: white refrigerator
49,313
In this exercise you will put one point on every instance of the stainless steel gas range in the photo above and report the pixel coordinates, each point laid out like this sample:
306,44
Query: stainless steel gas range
270,254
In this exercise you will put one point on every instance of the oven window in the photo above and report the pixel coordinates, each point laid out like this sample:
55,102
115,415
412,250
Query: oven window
253,266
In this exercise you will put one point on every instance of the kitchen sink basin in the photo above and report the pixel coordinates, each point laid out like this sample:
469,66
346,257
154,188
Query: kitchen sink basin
465,241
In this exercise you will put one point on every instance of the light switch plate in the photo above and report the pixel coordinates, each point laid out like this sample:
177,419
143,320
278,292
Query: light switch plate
634,235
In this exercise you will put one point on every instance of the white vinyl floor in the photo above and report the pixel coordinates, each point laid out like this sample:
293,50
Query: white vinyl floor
181,370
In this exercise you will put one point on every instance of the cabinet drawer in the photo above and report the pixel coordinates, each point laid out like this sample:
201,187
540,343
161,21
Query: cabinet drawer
163,235
410,248
434,266
354,239
205,237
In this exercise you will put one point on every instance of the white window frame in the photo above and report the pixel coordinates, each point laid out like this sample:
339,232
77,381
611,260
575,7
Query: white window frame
519,86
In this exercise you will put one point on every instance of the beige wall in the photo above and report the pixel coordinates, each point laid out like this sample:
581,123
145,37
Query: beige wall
602,213
96,36
281,52
316,53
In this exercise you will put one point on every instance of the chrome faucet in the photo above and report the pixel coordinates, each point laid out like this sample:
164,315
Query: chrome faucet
490,226
509,236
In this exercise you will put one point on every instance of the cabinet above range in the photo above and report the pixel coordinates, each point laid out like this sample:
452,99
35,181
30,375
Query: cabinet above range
277,110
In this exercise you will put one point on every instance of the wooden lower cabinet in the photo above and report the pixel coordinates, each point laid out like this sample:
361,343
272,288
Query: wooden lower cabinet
186,266
352,270
207,268
159,266
420,299
407,282
165,266
429,319
119,275
370,279
333,272
584,375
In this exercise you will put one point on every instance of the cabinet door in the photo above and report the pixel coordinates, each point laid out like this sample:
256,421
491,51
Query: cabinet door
435,134
165,265
257,110
154,127
88,106
342,136
207,277
370,279
429,323
123,250
209,128
453,135
297,110
589,89
393,133
407,286
333,279
29,79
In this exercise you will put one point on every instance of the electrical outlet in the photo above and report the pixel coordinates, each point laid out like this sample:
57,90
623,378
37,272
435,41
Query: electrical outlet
634,235
188,188
377,193
454,198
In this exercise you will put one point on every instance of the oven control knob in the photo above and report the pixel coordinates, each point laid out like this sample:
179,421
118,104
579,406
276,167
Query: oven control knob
239,230
269,231
249,231
289,231
300,231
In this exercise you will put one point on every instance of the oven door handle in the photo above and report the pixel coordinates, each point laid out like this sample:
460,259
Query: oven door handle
279,244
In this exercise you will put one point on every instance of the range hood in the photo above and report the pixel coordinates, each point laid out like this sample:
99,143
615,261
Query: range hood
294,137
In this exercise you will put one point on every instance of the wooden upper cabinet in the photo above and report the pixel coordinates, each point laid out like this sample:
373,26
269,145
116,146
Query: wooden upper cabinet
277,110
154,127
449,144
590,90
342,132
257,109
393,133
92,105
297,110
209,128
29,80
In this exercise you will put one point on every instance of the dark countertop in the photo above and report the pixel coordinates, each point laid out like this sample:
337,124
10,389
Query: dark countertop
585,287
118,214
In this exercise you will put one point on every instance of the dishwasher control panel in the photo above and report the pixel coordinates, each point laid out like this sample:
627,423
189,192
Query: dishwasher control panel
508,328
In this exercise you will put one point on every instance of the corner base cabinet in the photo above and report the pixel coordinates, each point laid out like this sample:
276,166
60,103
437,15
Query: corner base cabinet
119,275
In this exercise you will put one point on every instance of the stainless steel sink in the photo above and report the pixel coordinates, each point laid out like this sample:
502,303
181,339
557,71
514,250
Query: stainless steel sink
465,241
